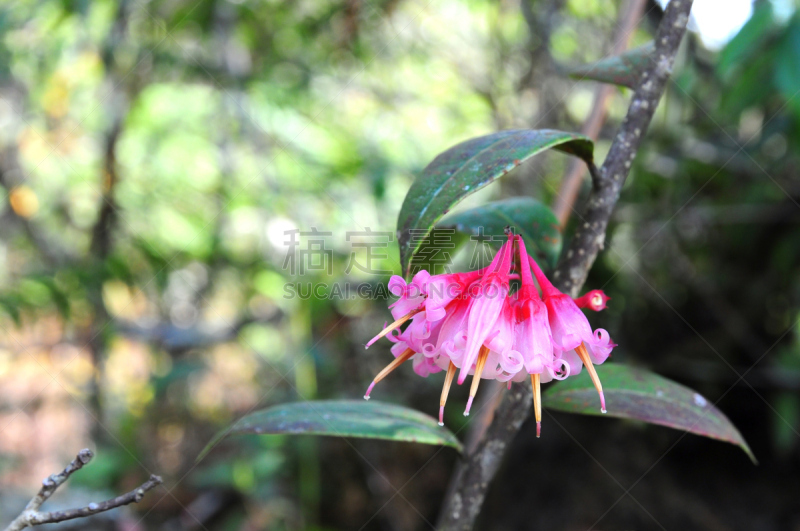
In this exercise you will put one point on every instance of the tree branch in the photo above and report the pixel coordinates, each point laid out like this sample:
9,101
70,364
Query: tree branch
474,473
31,515
589,237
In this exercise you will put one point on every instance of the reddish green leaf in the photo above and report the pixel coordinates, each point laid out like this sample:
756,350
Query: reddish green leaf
624,70
641,395
468,167
342,418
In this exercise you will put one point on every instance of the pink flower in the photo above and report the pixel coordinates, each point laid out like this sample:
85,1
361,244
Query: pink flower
452,316
572,333
469,322
412,295
533,336
409,344
425,292
487,304
443,289
594,300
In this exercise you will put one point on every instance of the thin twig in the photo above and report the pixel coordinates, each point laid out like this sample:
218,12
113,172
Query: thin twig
31,515
473,475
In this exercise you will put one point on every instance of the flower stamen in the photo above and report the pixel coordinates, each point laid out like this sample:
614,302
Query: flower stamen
587,361
399,360
392,326
537,402
483,355
448,381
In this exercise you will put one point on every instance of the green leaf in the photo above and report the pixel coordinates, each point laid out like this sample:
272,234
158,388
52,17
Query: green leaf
787,77
641,395
748,88
468,167
342,418
531,219
748,42
11,305
624,70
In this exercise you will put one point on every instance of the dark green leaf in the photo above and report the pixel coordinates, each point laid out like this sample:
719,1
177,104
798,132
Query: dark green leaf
639,394
468,167
787,75
535,222
748,88
11,305
748,42
624,70
342,418
435,253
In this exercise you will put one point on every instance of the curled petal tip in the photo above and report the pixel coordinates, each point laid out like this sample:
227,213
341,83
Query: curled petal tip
538,429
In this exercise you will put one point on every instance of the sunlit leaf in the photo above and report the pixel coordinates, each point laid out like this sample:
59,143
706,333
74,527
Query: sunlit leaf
641,395
529,218
468,167
342,418
624,70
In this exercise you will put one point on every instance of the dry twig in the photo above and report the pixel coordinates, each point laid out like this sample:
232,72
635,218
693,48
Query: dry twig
32,516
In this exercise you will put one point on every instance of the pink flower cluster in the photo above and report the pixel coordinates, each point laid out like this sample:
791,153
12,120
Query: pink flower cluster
470,323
